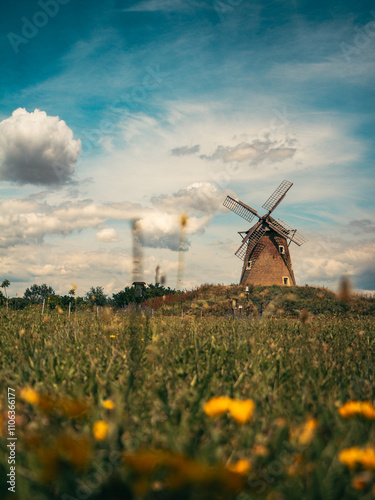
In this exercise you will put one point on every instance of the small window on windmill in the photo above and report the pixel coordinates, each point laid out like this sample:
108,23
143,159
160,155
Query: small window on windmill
249,263
281,249
285,280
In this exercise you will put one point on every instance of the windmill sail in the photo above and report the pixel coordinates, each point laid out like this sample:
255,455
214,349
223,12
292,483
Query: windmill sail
288,232
240,208
277,196
250,241
298,238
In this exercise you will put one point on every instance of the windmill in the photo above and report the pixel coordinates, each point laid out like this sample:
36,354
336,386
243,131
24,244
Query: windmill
265,246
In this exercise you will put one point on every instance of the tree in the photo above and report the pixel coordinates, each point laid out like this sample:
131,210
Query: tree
5,285
37,293
127,296
96,296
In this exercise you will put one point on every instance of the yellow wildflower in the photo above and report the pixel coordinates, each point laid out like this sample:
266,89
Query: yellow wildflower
29,395
112,336
241,411
308,431
100,430
305,433
243,466
108,404
358,456
217,407
357,408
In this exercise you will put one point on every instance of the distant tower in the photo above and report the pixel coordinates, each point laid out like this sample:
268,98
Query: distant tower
265,246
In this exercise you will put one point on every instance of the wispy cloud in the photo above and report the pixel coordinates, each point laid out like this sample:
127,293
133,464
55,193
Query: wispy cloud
163,6
185,150
254,152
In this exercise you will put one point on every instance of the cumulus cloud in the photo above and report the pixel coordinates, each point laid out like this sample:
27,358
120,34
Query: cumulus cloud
107,235
29,221
185,150
324,260
162,230
255,152
200,198
37,149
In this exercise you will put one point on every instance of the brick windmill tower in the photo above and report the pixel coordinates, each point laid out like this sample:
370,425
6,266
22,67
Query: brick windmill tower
265,246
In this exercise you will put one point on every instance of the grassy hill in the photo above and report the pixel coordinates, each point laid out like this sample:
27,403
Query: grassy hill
268,301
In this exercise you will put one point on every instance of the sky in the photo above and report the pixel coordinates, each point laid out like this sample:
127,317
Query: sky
118,111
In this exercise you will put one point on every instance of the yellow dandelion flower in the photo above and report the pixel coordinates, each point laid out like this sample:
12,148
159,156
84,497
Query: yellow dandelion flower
357,408
241,411
351,457
368,458
243,466
112,336
217,407
29,395
100,430
108,404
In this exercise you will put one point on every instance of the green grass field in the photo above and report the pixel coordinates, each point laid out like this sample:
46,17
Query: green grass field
152,438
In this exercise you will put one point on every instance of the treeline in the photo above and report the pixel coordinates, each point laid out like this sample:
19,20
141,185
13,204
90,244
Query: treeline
36,294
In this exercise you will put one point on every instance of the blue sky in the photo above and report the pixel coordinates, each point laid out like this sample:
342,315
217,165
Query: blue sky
166,107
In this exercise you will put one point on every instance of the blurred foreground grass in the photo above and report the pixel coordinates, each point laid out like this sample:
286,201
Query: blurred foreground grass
112,407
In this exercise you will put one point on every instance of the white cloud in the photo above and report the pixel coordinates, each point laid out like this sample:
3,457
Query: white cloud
37,149
107,235
200,198
255,152
25,222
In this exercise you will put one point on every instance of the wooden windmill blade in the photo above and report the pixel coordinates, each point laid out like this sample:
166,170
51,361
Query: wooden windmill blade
277,196
250,240
298,237
240,208
286,231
